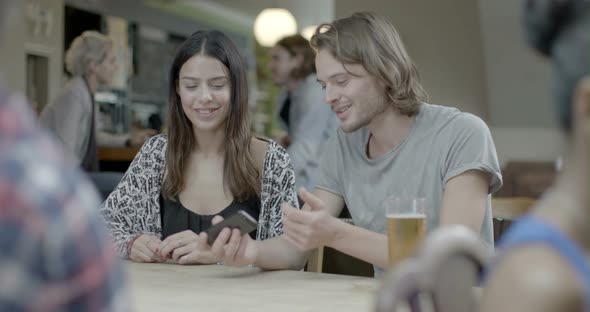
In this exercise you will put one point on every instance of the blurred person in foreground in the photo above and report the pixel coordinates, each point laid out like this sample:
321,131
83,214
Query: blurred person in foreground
542,264
55,253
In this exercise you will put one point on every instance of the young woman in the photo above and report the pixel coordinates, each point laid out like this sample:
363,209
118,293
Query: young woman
208,165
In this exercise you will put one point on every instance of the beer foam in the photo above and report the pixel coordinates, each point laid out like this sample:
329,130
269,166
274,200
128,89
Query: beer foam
407,216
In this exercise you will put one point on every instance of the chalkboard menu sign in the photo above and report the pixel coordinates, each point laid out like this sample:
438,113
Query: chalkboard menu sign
152,56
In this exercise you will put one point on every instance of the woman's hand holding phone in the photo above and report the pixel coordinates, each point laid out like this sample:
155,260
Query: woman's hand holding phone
226,240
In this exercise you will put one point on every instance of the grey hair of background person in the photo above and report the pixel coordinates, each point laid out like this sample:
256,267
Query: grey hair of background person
560,29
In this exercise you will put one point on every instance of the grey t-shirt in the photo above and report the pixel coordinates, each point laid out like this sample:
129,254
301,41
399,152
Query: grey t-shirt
443,142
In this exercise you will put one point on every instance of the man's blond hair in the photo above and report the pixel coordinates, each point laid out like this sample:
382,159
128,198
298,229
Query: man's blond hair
368,39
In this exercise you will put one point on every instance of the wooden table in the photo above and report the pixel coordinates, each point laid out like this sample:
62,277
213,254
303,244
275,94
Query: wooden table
216,288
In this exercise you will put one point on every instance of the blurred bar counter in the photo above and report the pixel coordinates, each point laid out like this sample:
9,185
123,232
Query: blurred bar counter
117,153
116,158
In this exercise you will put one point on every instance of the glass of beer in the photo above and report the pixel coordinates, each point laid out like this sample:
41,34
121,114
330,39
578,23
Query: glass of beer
406,226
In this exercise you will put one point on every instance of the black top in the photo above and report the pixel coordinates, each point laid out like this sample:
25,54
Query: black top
177,218
286,109
89,162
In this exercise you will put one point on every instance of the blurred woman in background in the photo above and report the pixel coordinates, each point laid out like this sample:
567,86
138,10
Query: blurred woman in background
72,115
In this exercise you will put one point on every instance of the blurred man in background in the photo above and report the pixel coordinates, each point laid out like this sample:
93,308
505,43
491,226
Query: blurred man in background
309,122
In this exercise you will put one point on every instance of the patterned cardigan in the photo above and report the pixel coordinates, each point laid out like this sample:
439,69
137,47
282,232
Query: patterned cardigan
133,208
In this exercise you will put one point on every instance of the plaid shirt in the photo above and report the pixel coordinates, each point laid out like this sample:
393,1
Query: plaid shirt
54,249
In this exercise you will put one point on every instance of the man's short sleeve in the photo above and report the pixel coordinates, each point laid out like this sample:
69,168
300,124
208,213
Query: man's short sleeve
471,148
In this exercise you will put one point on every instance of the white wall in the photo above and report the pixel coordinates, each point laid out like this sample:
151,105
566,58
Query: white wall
518,79
12,58
444,39
310,12
306,12
529,144
472,55
522,116
21,39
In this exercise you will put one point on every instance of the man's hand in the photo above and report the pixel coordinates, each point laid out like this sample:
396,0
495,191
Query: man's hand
310,228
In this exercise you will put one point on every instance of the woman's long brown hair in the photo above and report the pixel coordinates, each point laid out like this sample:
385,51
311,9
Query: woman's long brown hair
239,171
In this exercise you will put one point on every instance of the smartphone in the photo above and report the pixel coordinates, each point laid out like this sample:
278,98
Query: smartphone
239,220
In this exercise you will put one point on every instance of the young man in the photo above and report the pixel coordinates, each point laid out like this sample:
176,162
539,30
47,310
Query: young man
389,143
309,123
